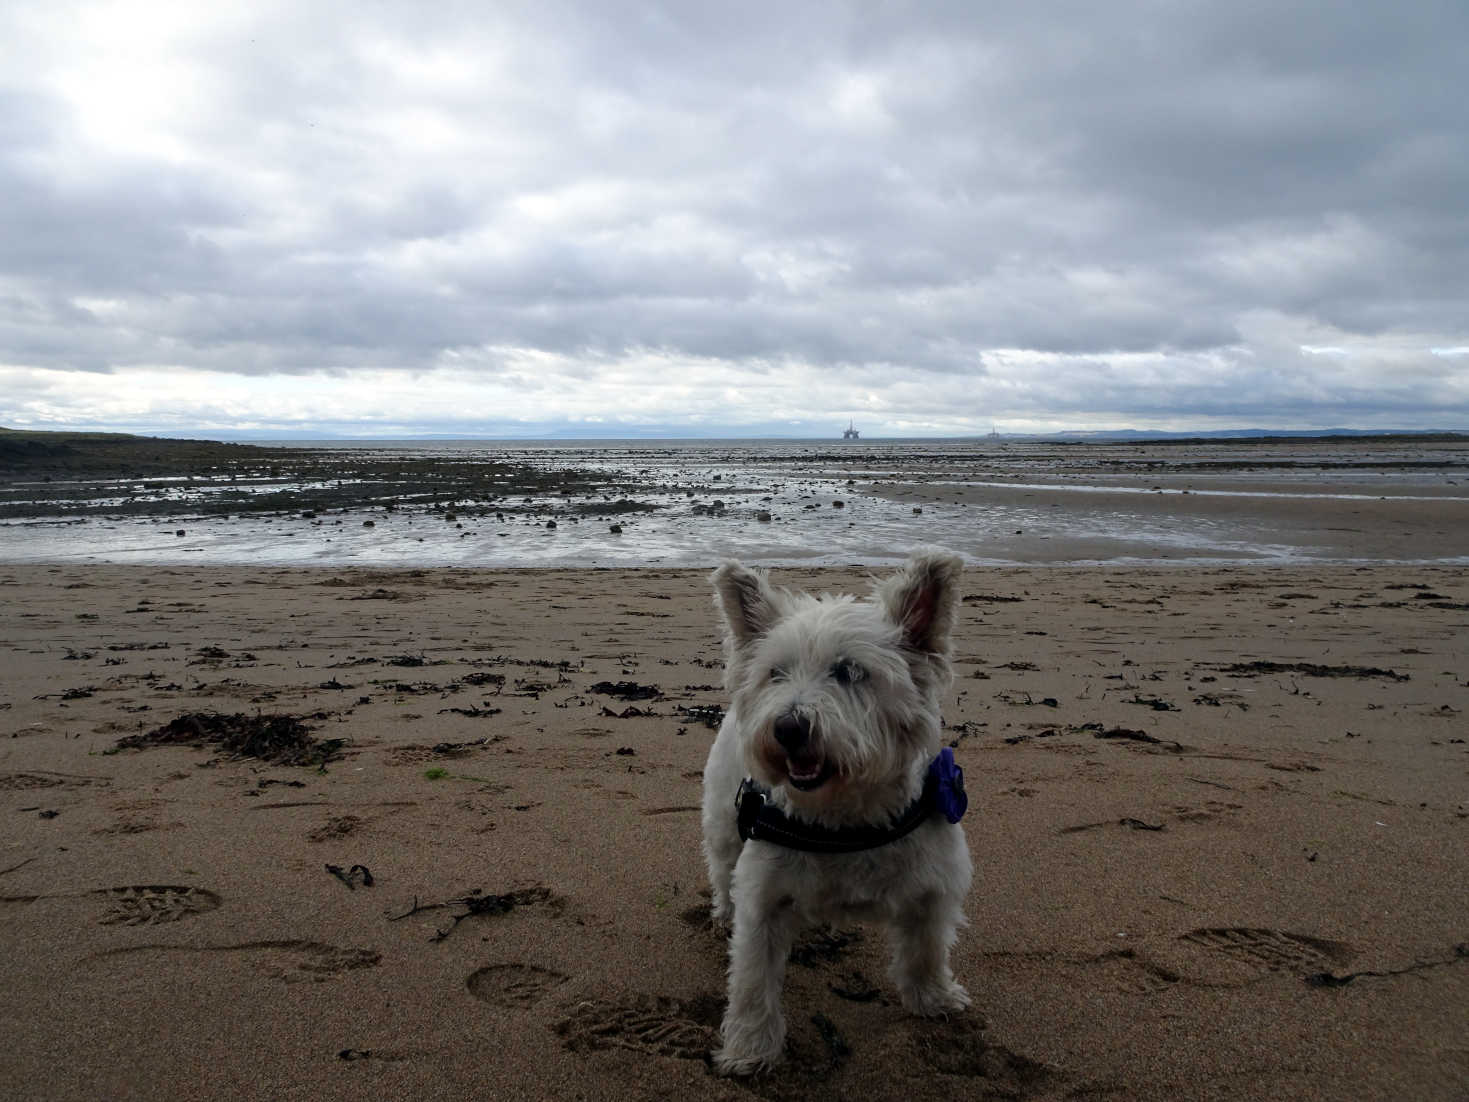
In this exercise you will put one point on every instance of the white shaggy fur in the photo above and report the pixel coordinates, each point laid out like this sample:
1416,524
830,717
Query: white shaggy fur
864,679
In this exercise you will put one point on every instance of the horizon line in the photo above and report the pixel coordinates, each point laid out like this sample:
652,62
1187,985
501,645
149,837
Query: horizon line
274,434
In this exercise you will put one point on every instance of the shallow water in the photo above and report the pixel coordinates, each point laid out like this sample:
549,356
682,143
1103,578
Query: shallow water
828,503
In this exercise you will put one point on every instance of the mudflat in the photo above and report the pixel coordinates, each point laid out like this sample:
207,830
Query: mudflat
99,498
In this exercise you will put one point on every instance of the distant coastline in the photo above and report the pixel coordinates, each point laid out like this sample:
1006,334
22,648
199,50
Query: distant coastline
15,442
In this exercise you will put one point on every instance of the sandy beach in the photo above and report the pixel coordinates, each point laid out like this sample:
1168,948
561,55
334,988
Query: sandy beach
1219,822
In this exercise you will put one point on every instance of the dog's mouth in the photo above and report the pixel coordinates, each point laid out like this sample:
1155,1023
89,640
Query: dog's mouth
808,772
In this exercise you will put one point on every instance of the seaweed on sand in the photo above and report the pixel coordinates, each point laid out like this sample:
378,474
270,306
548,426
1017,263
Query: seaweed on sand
279,739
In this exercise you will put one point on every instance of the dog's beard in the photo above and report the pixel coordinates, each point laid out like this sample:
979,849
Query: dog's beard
837,767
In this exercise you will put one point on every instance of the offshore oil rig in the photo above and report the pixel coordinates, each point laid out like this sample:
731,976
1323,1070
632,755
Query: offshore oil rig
850,432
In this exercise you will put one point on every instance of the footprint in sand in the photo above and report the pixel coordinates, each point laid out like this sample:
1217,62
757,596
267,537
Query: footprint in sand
152,904
654,1024
957,1047
1122,970
337,827
140,904
513,985
24,782
1232,956
292,960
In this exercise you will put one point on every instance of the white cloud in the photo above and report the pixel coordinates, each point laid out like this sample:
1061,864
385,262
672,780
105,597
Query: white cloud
935,218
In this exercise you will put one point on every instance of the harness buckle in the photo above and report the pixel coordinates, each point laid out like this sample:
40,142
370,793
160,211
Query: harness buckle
749,802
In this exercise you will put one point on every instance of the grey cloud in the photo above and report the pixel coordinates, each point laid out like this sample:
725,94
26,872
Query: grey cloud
1063,178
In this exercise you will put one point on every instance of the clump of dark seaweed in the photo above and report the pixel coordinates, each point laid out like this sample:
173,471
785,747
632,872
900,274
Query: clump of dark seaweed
627,690
278,739
1309,669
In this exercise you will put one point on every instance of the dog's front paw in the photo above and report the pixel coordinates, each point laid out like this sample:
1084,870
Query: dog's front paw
721,914
730,1062
750,1048
935,1001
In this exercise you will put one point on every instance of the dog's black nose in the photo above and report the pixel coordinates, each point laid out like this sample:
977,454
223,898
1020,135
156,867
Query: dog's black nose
792,732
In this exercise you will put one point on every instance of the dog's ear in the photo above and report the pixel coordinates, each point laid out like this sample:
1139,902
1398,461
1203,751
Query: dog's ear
747,601
923,598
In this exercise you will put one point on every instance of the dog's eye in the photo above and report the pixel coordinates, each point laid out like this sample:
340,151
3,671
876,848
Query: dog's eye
777,673
846,673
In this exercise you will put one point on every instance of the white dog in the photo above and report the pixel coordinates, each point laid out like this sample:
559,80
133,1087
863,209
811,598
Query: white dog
827,796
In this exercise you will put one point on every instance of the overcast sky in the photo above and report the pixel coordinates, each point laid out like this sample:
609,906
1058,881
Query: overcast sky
381,218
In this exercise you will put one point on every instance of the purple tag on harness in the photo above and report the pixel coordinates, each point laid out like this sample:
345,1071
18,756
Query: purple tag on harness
948,784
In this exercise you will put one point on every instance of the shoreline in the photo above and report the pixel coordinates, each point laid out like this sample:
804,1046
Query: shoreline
1401,501
991,526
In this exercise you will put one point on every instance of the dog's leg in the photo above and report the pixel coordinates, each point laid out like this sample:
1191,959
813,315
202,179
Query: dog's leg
922,938
721,849
722,843
765,925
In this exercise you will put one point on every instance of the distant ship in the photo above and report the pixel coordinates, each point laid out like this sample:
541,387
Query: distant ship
850,432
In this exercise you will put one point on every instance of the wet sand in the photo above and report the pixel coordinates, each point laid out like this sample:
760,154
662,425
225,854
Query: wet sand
692,503
1218,818
1218,518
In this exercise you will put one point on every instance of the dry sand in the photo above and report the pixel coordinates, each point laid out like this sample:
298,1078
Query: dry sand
1219,817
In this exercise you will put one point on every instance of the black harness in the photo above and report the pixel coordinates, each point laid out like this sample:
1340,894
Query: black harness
758,818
